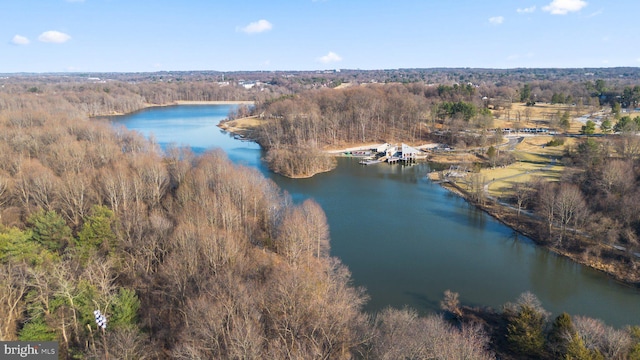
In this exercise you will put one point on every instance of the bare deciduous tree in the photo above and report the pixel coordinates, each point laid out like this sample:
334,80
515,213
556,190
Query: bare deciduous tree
401,334
612,343
546,205
76,194
569,204
522,195
451,303
14,281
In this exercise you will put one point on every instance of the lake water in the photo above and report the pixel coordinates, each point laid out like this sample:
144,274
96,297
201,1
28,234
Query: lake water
407,240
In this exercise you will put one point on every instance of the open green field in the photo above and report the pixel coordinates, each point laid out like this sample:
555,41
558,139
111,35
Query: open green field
534,159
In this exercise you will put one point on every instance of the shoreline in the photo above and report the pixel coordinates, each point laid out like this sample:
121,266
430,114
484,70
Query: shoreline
303,176
527,228
213,102
501,214
177,103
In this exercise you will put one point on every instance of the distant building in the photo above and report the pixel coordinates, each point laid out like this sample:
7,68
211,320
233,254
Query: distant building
408,152
382,148
248,84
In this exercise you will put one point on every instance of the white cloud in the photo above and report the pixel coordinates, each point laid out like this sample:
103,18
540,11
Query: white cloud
563,7
20,40
330,58
53,36
527,10
496,20
75,0
257,27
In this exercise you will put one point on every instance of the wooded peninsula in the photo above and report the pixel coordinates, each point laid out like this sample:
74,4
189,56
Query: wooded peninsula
189,256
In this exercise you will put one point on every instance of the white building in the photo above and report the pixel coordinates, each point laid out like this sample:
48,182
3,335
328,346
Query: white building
408,152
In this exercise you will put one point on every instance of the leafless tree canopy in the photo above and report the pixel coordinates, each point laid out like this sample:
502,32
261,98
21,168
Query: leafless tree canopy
192,257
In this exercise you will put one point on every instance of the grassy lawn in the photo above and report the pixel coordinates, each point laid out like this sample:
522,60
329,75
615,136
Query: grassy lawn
539,115
246,123
534,158
502,188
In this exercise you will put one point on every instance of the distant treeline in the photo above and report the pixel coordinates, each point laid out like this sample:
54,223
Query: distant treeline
98,98
300,80
545,85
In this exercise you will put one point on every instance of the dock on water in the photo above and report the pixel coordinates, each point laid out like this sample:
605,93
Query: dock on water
391,154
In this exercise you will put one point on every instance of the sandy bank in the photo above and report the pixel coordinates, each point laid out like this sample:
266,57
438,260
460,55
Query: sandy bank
353,148
242,126
187,102
357,147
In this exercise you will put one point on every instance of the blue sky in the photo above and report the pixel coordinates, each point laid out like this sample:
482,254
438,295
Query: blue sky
155,35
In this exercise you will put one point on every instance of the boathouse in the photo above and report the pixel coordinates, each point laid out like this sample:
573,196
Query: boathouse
383,148
408,153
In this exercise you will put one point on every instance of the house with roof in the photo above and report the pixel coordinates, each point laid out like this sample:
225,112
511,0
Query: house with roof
408,153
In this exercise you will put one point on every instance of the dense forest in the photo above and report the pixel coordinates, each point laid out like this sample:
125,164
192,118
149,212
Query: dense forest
194,257
97,97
